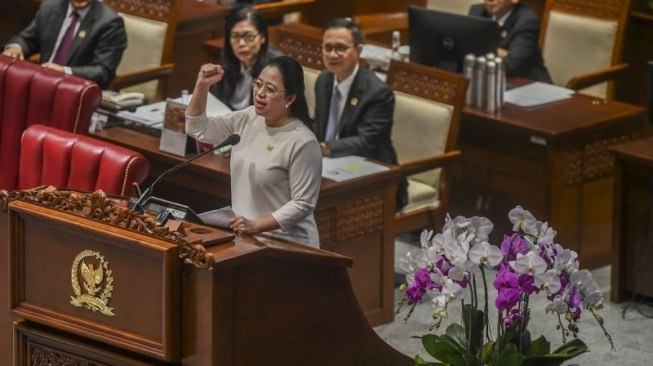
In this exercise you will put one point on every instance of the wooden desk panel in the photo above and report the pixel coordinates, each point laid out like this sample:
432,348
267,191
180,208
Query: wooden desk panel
633,220
554,161
355,218
6,331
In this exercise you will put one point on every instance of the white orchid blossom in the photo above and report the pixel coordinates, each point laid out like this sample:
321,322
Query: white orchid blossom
485,253
548,281
566,260
425,238
558,305
481,227
545,234
529,263
407,263
522,220
451,292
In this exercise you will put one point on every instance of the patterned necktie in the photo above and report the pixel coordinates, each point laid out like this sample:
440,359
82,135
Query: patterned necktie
61,56
332,124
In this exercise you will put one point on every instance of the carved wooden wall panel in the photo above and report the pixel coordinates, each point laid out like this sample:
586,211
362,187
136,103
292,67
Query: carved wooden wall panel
427,82
307,51
591,161
350,221
149,8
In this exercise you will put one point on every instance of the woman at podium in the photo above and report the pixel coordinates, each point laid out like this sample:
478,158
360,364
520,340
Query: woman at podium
276,169
246,51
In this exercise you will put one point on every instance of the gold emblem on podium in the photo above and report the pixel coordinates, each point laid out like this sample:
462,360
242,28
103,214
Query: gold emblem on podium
91,268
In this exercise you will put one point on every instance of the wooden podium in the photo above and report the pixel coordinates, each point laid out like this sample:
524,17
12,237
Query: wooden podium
88,281
355,218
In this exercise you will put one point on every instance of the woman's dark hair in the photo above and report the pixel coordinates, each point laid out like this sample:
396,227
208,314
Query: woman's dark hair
230,63
292,75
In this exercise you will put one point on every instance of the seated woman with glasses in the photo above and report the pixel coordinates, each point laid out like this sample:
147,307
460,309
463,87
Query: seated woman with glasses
276,169
246,50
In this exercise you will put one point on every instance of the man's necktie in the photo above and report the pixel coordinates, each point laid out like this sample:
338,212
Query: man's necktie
332,124
64,47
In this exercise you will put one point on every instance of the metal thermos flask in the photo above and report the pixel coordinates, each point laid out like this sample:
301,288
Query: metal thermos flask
468,72
491,87
501,81
479,82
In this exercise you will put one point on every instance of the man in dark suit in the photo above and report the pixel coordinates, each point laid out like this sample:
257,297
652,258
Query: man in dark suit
79,37
519,29
354,109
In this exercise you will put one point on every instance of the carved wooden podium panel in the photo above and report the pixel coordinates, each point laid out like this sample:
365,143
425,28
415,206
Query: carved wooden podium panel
92,282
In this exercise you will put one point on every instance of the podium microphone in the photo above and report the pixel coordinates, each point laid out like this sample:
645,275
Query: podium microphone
137,204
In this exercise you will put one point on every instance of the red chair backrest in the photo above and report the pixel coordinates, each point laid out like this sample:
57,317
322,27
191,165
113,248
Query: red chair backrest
50,156
31,94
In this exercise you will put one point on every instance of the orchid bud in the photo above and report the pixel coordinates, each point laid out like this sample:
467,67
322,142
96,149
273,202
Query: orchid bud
600,319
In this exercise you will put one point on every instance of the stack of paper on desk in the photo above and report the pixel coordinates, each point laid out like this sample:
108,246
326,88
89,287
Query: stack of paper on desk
150,115
377,56
536,93
214,106
349,167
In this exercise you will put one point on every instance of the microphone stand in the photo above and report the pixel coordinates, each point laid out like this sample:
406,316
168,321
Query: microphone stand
137,204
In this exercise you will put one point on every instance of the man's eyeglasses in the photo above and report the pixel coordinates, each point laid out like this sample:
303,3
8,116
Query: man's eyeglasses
268,89
339,48
248,37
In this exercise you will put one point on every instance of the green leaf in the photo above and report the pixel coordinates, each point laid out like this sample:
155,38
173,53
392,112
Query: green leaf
509,356
539,347
443,350
455,333
487,351
567,351
525,342
574,347
471,360
474,325
420,362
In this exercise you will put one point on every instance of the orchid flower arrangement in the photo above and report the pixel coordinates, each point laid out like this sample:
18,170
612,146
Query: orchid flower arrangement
451,265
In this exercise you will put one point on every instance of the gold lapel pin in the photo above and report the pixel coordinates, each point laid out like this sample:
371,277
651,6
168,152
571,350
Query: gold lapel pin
354,101
270,147
82,33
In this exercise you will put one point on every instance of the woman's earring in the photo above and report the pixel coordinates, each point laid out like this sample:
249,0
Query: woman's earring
287,105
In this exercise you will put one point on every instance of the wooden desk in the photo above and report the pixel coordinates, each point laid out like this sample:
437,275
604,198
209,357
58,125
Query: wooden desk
552,160
633,222
354,218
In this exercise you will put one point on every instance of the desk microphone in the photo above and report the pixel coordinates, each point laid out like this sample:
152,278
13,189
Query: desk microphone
137,204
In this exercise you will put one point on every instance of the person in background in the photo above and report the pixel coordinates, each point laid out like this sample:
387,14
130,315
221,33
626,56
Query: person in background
354,109
276,169
85,38
246,50
519,31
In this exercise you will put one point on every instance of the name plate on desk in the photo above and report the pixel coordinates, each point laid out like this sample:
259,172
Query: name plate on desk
173,135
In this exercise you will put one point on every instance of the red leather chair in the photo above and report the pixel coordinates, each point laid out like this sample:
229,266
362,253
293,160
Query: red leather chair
31,94
50,156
